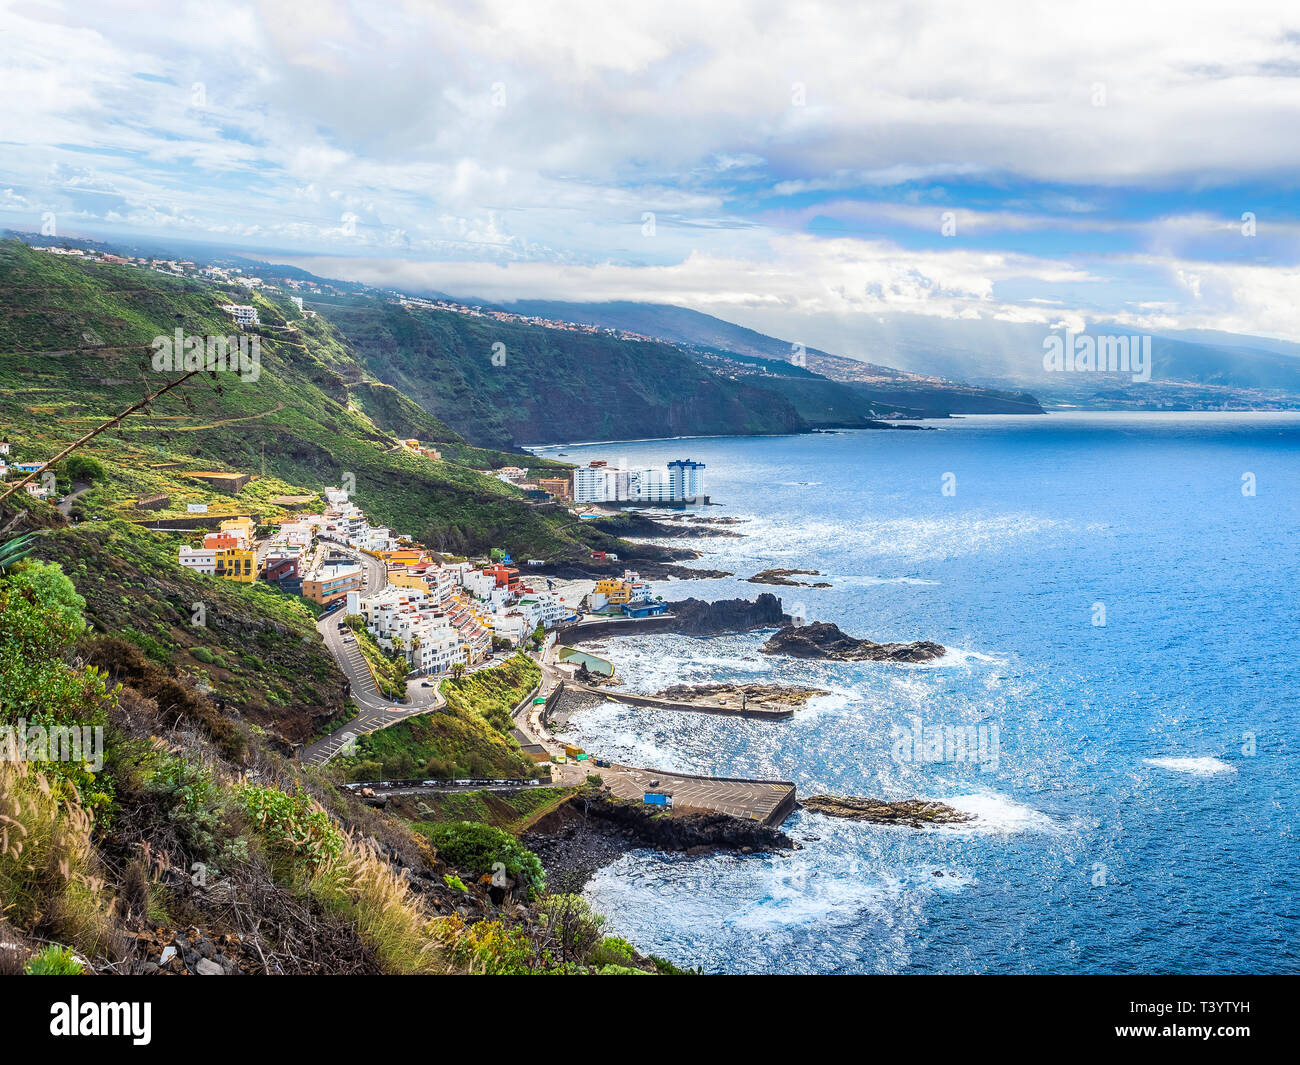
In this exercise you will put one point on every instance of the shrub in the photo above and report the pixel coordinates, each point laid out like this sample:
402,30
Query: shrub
54,960
612,951
477,849
295,827
84,468
40,622
574,927
490,948
378,900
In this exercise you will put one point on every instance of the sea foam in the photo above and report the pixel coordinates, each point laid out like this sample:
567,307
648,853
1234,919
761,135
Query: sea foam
1199,767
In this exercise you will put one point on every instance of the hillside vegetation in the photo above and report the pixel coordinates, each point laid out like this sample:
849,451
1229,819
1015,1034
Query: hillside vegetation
549,385
469,739
176,842
75,350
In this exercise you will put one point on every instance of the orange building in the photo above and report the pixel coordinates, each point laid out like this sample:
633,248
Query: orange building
559,487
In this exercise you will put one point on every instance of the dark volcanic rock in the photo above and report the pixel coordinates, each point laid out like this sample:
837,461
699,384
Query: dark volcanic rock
695,617
785,577
590,831
821,639
756,695
913,813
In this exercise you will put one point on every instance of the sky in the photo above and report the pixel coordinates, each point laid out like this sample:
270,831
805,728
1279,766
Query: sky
773,163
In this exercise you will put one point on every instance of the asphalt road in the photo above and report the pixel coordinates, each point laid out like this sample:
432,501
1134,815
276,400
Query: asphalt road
376,712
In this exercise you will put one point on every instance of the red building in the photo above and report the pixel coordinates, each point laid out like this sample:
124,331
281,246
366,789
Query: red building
505,576
281,568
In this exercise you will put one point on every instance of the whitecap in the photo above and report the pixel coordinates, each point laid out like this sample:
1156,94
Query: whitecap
954,657
1199,767
996,814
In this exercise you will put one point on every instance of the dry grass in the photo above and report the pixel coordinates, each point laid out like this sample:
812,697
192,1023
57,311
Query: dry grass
388,916
49,874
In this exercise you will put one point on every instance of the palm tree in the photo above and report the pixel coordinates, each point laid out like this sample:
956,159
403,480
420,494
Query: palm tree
458,670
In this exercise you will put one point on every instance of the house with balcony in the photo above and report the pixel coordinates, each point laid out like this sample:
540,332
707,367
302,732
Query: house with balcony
330,582
237,564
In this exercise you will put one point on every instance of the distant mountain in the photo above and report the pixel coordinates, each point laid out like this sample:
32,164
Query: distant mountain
877,390
1191,369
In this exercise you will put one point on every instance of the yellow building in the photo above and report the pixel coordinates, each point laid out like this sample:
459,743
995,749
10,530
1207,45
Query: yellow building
237,564
614,590
242,529
403,556
408,580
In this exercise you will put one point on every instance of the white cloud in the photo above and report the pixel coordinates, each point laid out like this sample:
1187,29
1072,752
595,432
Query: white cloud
539,133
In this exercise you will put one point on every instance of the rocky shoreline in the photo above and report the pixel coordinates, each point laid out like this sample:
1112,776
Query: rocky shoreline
823,640
654,569
633,523
912,813
592,830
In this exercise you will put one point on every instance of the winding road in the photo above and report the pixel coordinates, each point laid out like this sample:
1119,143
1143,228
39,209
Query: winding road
376,712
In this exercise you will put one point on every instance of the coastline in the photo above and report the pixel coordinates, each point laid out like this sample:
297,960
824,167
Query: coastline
592,830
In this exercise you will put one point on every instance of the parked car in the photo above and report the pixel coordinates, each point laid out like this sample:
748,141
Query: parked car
349,639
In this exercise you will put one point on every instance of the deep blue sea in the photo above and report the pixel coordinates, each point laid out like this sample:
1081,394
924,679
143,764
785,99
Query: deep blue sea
1140,813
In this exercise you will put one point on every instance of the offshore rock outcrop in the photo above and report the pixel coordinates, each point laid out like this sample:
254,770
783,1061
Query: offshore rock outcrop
785,577
695,617
913,813
821,639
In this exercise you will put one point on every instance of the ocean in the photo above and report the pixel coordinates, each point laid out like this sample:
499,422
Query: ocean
1119,596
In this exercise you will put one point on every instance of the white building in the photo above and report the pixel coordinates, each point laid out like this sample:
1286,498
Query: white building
599,482
428,639
685,479
682,480
244,314
482,586
200,559
651,486
542,608
294,532
512,627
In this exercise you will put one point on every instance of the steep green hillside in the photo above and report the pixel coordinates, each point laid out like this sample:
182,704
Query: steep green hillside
169,830
549,385
868,384
75,350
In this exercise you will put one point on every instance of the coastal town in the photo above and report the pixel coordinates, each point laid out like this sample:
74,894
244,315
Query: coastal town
435,611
